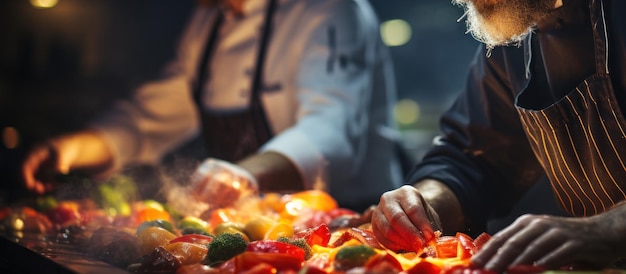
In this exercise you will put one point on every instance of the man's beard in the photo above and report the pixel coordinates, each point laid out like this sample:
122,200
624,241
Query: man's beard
503,22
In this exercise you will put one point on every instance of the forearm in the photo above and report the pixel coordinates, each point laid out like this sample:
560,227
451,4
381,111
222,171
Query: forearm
274,172
445,203
92,153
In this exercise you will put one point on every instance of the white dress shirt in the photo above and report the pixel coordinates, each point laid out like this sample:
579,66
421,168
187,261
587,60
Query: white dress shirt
328,90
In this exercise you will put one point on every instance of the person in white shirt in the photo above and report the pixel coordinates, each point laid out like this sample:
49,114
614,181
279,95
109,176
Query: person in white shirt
302,98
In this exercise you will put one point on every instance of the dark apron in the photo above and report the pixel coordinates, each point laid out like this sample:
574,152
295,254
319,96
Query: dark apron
233,136
581,139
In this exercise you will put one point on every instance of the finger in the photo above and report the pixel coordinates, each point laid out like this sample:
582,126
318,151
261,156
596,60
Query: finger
386,236
544,244
490,249
30,167
405,229
562,255
382,228
513,246
416,210
394,226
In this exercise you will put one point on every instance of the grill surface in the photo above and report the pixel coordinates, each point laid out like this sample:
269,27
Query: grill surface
33,253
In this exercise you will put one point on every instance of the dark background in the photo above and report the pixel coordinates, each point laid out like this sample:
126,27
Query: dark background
61,66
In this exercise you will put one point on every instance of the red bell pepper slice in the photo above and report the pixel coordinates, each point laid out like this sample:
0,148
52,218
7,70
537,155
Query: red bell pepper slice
466,246
281,261
271,246
480,240
383,263
316,265
319,235
446,246
364,236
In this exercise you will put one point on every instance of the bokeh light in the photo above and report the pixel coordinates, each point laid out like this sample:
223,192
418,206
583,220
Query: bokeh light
10,137
44,4
407,112
396,32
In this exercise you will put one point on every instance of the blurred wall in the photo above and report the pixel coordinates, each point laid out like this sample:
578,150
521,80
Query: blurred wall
61,66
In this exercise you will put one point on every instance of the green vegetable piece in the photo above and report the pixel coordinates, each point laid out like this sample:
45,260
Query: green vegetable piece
191,221
45,203
116,194
353,256
194,230
224,247
158,223
299,242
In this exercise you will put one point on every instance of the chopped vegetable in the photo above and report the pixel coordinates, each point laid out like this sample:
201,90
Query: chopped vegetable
353,256
224,247
156,223
153,237
271,246
299,242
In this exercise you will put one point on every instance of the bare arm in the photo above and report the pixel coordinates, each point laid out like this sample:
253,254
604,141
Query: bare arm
84,150
273,171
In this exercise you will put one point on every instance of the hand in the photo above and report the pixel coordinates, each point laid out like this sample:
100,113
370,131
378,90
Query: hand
552,242
57,156
404,221
221,184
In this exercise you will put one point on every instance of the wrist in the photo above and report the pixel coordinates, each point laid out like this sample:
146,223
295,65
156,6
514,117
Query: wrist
444,203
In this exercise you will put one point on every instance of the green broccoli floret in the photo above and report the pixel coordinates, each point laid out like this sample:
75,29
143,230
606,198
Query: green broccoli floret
224,247
299,242
353,256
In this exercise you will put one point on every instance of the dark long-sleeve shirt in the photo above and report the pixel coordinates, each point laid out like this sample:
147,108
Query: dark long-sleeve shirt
483,154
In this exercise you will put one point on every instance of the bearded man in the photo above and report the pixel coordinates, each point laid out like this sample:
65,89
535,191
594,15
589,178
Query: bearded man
544,99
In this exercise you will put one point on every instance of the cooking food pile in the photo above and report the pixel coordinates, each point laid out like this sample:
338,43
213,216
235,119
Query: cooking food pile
304,232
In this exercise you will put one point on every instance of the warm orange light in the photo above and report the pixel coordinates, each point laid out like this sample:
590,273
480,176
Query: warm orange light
10,137
315,199
44,4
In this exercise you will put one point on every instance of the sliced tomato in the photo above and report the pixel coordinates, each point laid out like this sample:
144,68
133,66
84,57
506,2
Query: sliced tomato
316,265
364,236
281,261
465,247
319,235
446,247
480,240
272,246
192,238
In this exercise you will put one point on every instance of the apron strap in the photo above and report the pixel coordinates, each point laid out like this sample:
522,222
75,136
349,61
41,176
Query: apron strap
233,136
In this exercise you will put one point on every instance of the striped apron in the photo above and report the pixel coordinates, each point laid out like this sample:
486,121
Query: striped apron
581,139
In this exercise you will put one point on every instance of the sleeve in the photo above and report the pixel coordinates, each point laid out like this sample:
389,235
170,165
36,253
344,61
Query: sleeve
161,114
482,153
333,83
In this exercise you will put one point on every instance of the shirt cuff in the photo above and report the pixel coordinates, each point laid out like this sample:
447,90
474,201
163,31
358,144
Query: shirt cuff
303,153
